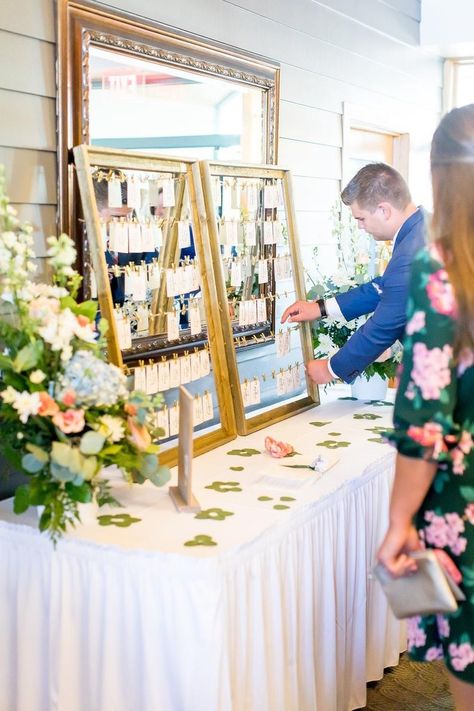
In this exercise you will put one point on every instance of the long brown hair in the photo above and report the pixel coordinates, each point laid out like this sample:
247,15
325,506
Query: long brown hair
452,170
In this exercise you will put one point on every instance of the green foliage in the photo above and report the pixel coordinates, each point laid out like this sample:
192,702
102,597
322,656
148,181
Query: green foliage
357,257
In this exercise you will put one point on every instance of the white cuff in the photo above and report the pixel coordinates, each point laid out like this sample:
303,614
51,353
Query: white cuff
336,377
332,308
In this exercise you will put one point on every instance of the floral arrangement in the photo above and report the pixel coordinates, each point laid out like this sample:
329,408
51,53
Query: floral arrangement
357,256
66,414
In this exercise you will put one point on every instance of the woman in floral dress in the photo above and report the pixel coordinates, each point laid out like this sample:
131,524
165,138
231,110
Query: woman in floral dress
434,410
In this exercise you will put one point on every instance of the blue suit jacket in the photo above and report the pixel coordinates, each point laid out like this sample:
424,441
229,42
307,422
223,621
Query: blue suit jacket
386,296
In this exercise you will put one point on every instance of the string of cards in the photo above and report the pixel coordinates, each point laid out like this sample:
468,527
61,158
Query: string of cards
237,269
287,380
168,374
168,416
244,194
142,190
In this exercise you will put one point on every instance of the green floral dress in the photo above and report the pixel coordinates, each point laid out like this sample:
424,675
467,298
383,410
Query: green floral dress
434,415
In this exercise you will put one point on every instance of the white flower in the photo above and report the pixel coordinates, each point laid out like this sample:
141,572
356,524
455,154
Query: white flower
37,376
61,252
9,395
112,428
25,403
340,278
326,346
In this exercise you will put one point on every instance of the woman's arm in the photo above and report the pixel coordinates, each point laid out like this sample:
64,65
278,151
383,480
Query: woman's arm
413,478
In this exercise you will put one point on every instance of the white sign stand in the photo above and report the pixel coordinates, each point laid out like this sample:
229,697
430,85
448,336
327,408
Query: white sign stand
182,494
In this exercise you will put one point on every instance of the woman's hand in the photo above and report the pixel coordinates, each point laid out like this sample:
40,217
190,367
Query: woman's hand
394,552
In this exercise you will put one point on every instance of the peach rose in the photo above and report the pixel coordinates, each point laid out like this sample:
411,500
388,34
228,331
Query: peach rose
130,409
278,449
48,406
70,421
139,435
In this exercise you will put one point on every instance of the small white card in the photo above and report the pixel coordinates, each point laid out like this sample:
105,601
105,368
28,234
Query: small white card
114,193
268,232
194,318
139,379
195,365
184,235
185,363
163,376
208,409
174,419
205,362
262,271
162,420
172,325
168,193
250,234
151,379
175,373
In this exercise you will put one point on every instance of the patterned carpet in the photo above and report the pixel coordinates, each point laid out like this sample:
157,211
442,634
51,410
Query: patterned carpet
411,686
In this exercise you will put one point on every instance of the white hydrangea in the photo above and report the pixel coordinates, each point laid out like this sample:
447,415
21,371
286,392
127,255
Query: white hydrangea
94,382
25,403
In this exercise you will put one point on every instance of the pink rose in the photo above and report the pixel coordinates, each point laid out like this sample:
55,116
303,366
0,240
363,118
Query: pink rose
278,449
69,398
431,369
70,421
48,406
430,435
139,435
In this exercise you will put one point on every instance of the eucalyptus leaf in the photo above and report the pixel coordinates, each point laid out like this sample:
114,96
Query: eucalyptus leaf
91,442
160,476
39,453
31,464
61,454
61,473
28,356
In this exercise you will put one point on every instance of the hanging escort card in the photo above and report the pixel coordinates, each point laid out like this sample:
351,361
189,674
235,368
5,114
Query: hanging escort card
151,378
148,242
162,420
236,274
171,283
139,379
254,391
174,419
197,410
277,233
195,359
154,276
268,232
205,362
194,318
184,235
283,344
142,318
114,193
185,371
153,193
250,234
124,333
121,237
168,193
262,271
208,409
133,194
261,310
252,197
157,235
134,237
164,381
175,373
172,326
270,197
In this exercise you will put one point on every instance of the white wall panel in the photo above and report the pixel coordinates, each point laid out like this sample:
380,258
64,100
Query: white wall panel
30,175
315,194
310,159
34,18
383,16
27,65
305,123
27,121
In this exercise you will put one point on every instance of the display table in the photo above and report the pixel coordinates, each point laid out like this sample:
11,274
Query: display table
263,604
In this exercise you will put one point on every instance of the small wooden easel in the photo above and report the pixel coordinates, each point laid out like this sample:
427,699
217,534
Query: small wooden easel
182,494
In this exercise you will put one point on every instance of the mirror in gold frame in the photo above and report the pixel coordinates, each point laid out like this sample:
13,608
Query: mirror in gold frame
126,82
150,266
258,271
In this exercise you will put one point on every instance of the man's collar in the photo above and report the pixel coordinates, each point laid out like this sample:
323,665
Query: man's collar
409,223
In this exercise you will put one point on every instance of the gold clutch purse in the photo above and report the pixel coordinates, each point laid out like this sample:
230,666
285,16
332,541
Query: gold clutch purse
428,591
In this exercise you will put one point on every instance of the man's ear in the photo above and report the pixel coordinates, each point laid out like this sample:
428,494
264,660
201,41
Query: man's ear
386,208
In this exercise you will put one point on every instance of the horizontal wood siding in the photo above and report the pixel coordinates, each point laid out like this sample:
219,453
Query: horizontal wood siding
330,53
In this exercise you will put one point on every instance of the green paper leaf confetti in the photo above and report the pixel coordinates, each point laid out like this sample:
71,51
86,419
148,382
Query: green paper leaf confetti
265,498
379,440
237,469
334,434
280,507
292,454
348,397
379,429
333,444
244,452
320,424
298,466
366,416
214,514
223,487
122,520
287,498
201,540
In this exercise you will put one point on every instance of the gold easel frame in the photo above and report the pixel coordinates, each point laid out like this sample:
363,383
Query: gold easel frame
85,158
204,172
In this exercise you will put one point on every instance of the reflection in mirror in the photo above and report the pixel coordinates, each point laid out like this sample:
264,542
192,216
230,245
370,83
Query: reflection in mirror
160,108
146,259
256,258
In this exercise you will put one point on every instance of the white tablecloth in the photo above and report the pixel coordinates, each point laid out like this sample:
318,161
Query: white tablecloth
279,615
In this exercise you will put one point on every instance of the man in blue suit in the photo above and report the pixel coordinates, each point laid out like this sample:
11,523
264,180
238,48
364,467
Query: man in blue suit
381,203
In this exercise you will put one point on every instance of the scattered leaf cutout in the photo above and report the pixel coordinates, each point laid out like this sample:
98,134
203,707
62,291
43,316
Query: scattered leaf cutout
379,440
292,454
287,498
380,403
237,469
366,416
333,444
379,429
265,498
214,514
122,520
280,507
334,434
297,466
224,486
244,452
201,540
348,397
320,424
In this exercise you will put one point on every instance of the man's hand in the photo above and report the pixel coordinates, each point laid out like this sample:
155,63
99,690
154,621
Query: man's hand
301,311
318,371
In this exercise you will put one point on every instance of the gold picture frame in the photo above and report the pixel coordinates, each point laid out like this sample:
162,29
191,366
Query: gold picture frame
99,165
283,373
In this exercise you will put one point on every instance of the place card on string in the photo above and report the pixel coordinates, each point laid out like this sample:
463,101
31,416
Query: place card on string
250,234
175,372
163,376
172,326
114,193
168,193
182,494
